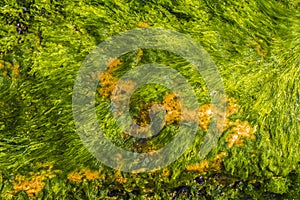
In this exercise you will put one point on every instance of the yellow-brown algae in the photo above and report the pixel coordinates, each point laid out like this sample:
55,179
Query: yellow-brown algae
5,73
260,51
108,83
112,63
143,25
239,131
231,107
103,176
144,118
91,175
31,186
16,71
119,178
107,80
4,64
216,164
172,106
75,177
201,167
139,55
205,114
141,170
165,173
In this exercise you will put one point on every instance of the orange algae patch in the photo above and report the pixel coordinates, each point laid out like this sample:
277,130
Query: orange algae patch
260,51
87,174
16,71
34,184
143,24
232,107
201,167
10,70
204,165
165,173
108,82
139,55
205,113
216,164
119,177
75,177
113,62
240,130
4,64
172,107
31,186
91,175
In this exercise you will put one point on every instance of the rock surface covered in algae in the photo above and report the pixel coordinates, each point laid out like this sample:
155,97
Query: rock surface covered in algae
255,45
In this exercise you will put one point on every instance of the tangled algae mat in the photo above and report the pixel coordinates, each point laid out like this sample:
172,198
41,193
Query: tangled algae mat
255,46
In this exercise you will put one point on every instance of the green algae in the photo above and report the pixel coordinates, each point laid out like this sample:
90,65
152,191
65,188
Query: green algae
255,45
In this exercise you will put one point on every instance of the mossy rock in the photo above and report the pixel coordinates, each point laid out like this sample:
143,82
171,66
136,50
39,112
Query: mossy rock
255,46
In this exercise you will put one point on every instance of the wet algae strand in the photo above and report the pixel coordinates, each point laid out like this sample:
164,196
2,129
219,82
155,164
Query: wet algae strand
255,45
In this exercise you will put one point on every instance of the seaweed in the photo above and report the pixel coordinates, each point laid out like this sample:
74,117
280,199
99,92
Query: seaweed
255,45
